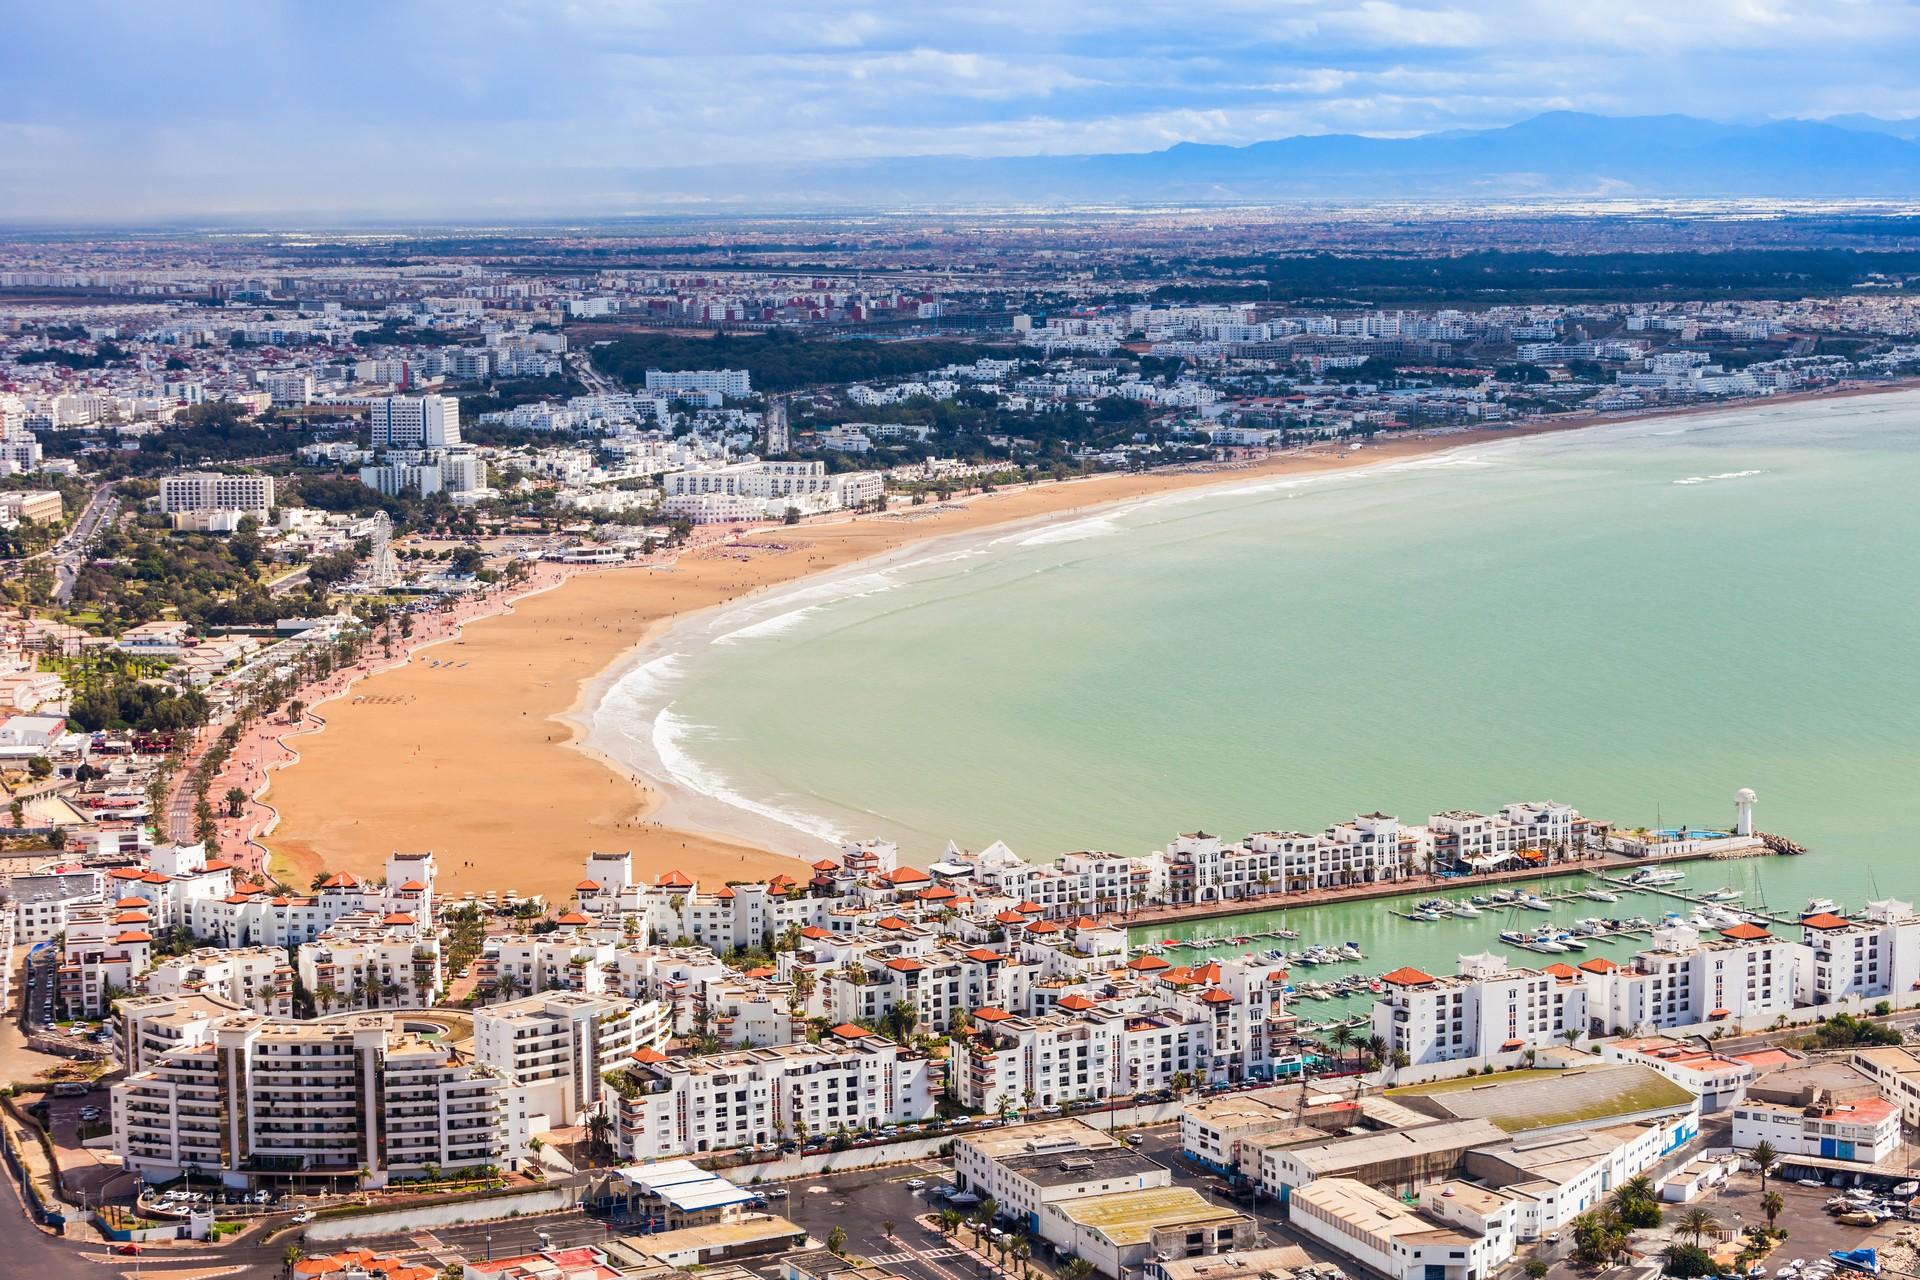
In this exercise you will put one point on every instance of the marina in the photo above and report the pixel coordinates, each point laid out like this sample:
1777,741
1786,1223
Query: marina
1612,912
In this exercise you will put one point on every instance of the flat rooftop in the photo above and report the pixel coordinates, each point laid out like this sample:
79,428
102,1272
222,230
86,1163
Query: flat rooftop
1130,1217
1332,1156
1520,1101
1057,1136
1064,1168
1250,1264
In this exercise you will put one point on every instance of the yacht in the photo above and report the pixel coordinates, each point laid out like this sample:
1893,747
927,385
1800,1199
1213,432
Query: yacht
1466,910
1726,894
1597,894
1570,941
1513,937
1543,942
1654,877
1503,895
1819,906
1351,951
1533,902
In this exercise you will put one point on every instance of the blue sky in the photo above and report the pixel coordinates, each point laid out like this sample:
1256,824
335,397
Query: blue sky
153,108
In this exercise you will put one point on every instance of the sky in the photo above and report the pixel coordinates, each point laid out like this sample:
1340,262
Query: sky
503,108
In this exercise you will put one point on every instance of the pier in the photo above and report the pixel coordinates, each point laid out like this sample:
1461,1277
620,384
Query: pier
1701,900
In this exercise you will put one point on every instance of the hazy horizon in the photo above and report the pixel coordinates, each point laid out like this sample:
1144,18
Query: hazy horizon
519,110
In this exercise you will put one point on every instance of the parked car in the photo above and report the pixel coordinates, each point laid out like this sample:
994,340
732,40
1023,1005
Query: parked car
127,1249
776,1193
916,1183
302,1218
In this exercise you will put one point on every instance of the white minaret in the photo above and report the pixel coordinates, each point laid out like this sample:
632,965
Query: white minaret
1743,811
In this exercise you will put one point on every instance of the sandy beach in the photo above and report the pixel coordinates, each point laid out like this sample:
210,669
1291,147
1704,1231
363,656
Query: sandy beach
470,748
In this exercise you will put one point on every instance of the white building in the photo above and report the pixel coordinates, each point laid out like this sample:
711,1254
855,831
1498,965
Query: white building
415,422
1486,1010
1876,955
558,1046
1744,977
316,1103
1459,1232
851,1080
213,491
732,383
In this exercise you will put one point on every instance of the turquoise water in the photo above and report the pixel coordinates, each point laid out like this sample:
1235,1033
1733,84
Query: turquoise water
1637,619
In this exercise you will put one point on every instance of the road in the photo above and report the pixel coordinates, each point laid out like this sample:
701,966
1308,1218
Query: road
70,552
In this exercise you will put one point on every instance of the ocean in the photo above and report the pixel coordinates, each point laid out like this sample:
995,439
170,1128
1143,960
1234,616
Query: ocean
1638,619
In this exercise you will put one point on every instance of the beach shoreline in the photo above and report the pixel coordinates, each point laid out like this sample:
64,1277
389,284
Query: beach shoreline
507,814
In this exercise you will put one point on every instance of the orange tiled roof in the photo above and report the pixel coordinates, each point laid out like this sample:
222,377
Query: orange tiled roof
1825,920
675,880
1406,976
851,1031
1745,931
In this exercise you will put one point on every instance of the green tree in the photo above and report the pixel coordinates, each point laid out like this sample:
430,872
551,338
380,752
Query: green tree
236,802
1696,1223
1765,1158
1772,1203
1537,1268
39,768
837,1240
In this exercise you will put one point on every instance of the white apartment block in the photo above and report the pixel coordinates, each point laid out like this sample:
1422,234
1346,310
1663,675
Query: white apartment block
319,1101
415,422
1876,955
213,491
1745,977
851,1080
255,978
1485,1010
105,951
1466,840
732,383
361,961
559,1045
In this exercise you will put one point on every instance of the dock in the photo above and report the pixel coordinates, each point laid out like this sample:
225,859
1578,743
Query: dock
1701,900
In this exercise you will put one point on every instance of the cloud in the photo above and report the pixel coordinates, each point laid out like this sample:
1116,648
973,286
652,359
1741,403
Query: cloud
419,106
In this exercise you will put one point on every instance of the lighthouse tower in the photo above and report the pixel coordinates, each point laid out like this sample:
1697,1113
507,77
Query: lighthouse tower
1743,811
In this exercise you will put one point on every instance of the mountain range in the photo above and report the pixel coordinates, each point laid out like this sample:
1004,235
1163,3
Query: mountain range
1562,154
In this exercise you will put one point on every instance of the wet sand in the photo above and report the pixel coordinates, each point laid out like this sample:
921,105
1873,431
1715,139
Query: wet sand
468,749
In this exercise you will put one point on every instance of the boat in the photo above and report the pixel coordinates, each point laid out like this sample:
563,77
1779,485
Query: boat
1503,895
1466,910
1653,877
1821,906
1866,1261
1290,935
1597,894
1533,902
1543,942
1351,951
1726,894
1570,941
1481,900
1426,916
1513,937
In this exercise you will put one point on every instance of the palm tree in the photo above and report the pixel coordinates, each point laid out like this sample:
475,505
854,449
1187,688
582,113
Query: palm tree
1340,1039
837,1240
1696,1223
1771,1204
326,993
1076,1269
599,1127
291,1255
949,1221
1766,1158
1376,1048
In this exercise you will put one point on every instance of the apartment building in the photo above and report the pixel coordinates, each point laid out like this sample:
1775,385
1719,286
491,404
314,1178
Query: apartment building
372,960
354,1099
255,978
105,951
42,506
732,383
414,422
1743,977
557,1046
1895,1072
1486,1009
1875,955
1537,831
851,1080
213,491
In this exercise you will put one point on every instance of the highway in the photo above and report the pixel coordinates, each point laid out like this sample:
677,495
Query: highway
70,552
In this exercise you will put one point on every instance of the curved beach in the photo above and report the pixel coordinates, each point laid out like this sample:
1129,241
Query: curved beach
482,749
